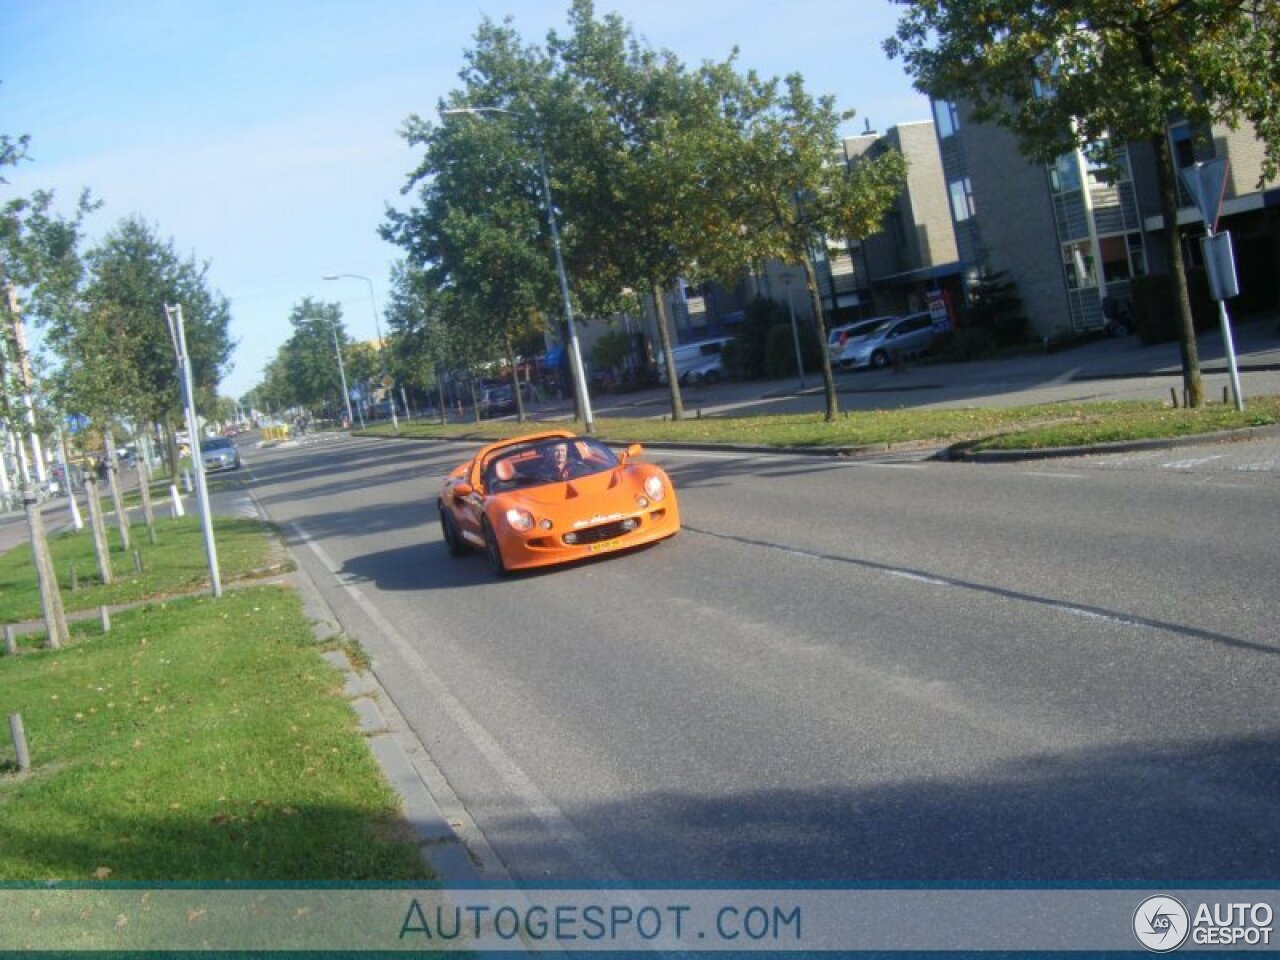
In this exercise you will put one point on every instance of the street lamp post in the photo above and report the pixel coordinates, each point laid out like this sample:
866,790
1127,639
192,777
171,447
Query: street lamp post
795,329
377,326
575,350
342,375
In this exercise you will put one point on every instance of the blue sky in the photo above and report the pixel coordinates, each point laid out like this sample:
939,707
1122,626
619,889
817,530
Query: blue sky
263,136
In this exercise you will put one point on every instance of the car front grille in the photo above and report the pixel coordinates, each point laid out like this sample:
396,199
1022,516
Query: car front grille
605,531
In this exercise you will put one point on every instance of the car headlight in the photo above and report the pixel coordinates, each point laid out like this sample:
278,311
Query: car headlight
518,519
655,488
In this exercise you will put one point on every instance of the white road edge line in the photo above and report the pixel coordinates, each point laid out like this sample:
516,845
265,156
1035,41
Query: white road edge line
516,780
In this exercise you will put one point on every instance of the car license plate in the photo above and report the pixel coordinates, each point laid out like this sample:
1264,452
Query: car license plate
603,546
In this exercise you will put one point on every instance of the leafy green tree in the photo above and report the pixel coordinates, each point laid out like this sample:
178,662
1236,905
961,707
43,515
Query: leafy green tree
117,350
1066,76
638,143
793,194
306,372
478,229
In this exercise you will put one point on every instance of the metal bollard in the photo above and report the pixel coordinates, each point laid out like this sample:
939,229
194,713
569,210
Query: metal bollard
10,641
105,614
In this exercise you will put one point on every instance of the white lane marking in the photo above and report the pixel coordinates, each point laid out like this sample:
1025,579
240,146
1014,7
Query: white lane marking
918,578
513,777
1055,476
1192,463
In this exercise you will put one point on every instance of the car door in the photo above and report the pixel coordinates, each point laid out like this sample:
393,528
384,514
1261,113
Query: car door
468,509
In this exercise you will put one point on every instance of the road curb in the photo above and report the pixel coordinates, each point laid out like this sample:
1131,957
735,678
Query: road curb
962,452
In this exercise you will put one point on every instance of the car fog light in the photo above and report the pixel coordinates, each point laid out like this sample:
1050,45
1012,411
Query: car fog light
642,502
545,524
571,538
630,524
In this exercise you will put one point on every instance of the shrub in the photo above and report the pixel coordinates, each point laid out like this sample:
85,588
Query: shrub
995,308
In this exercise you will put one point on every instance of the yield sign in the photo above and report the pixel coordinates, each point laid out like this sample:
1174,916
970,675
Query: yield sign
1206,181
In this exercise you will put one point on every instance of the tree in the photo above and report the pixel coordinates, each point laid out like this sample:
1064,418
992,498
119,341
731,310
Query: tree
308,362
1067,76
640,144
794,193
478,230
118,357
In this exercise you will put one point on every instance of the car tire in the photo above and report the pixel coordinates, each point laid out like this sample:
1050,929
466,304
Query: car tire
450,530
493,552
879,360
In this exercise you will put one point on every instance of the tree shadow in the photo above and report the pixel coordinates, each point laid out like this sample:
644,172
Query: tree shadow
1135,812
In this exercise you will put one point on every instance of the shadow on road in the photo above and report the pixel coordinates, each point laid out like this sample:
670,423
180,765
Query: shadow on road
1133,812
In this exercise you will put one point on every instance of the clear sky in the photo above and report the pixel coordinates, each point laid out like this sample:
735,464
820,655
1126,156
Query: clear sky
262,136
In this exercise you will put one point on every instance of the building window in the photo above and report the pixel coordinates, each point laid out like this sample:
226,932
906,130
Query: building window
1064,175
945,117
962,206
1078,259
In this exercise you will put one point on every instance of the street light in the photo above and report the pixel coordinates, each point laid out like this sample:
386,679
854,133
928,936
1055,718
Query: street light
377,326
575,351
795,329
342,375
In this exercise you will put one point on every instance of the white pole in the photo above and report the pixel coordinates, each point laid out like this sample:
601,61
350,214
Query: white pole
179,333
795,333
76,522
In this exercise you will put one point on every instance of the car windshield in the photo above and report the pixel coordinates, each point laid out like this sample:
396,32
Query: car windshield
881,329
553,460
216,443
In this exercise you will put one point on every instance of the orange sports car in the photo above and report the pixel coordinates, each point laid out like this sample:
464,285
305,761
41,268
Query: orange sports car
554,497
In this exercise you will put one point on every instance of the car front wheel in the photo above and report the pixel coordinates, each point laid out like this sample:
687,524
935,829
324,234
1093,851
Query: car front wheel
450,530
492,551
879,360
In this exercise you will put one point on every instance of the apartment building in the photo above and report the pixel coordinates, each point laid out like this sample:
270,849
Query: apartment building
1072,240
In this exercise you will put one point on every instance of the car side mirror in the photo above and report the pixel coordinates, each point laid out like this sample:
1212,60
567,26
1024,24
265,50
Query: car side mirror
463,490
634,450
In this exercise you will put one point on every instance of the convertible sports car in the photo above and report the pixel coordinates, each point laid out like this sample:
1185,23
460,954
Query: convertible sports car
554,497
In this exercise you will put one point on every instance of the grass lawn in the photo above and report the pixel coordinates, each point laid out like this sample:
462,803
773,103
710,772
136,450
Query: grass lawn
1029,427
175,563
199,740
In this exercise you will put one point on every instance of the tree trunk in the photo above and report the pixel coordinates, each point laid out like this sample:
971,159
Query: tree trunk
113,479
144,486
444,417
515,383
815,301
55,620
475,400
1166,176
668,358
98,528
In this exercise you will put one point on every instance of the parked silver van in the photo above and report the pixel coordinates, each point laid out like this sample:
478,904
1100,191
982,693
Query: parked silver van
701,362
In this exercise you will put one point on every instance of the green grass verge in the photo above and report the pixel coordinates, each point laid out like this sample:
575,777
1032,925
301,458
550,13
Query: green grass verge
1028,427
199,739
175,563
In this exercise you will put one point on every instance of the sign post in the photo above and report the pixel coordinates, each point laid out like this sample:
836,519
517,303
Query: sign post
1206,181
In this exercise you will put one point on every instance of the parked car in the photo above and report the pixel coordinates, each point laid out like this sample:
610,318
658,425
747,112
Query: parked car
496,401
903,337
841,338
219,453
696,363
549,498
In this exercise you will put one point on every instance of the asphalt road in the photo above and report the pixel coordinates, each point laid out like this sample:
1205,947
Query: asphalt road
875,670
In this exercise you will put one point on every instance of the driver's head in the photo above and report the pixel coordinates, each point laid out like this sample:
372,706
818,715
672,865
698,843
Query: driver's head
560,454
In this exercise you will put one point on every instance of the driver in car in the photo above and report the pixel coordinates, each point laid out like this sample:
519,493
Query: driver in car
557,462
